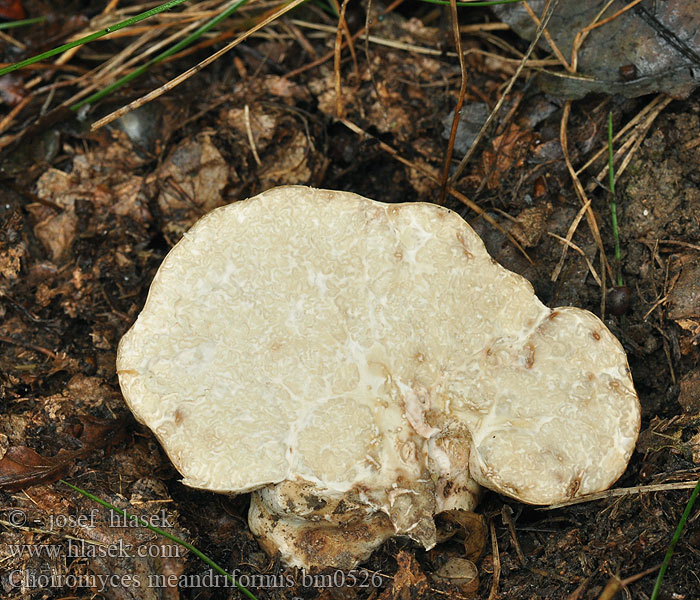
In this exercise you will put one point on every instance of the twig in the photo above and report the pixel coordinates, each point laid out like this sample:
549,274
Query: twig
342,26
616,493
460,101
612,17
342,23
329,55
548,37
507,517
679,243
28,346
616,584
493,594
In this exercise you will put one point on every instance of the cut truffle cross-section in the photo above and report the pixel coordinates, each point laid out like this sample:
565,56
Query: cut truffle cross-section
363,365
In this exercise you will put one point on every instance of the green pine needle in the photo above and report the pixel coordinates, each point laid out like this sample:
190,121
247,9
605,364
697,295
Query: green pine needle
674,541
162,56
91,37
160,531
613,205
21,23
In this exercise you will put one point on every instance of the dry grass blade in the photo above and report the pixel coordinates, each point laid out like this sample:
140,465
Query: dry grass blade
583,34
548,11
183,23
611,17
548,37
636,139
194,70
342,27
493,594
616,584
619,492
567,240
460,100
586,203
576,248
632,123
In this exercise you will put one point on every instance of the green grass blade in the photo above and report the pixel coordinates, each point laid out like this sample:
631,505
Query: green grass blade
160,531
162,56
613,204
93,36
674,541
21,23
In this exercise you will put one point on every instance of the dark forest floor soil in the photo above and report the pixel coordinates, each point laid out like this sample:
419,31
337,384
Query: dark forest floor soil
86,218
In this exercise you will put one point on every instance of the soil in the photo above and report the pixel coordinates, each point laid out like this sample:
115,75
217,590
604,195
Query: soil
87,217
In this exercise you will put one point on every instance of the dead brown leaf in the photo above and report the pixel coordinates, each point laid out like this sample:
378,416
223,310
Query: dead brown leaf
506,151
192,179
21,467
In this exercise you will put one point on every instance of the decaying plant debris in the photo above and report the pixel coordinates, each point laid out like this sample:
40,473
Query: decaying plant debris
88,216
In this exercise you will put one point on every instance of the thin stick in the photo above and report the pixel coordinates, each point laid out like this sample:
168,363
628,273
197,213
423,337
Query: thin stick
616,493
8,340
583,34
399,45
616,584
460,101
342,25
342,22
569,236
611,17
493,594
548,37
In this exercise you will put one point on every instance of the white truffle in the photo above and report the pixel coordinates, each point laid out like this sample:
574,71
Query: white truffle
373,358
